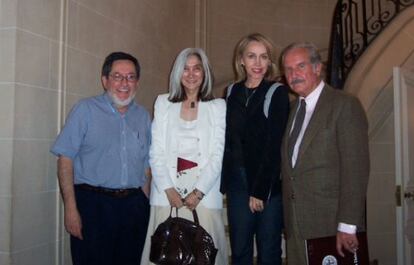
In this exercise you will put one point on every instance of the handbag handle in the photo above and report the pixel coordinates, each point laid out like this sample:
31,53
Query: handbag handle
194,212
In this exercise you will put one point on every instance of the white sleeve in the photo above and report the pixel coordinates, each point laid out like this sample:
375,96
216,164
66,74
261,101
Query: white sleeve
212,171
158,155
347,228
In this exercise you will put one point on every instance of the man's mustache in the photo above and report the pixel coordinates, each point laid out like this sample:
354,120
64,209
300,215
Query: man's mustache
297,81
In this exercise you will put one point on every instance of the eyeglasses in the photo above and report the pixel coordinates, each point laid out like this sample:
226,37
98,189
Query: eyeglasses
119,78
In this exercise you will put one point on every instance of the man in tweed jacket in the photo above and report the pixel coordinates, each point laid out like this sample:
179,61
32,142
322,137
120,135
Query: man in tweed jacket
325,168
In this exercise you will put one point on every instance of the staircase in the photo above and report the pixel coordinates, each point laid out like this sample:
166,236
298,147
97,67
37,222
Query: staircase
356,24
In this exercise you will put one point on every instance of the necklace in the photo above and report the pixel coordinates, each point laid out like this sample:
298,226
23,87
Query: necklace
192,104
249,93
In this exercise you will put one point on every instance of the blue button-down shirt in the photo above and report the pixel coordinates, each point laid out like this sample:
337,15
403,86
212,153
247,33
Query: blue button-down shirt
108,149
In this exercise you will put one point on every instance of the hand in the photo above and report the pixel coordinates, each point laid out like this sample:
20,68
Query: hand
73,222
255,205
347,241
174,198
146,188
191,201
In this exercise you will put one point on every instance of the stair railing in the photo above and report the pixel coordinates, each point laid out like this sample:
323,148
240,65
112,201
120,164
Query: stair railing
355,25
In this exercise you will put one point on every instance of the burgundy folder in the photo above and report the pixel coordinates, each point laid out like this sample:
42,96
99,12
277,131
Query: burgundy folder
322,251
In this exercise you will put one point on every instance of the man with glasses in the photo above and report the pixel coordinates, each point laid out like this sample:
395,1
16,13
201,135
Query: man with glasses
103,169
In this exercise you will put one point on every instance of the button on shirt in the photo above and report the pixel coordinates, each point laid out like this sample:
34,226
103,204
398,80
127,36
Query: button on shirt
108,149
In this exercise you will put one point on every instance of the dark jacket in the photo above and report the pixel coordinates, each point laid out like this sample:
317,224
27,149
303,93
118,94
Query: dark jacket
253,141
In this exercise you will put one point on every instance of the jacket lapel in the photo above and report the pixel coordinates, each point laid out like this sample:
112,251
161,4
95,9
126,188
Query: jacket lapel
202,114
173,121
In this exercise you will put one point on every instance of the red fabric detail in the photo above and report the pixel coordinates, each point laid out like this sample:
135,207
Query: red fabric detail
183,164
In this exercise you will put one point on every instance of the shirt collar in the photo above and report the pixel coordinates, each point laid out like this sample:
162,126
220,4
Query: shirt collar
313,97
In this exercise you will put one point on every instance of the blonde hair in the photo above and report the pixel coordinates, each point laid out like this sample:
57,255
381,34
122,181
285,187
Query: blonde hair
240,72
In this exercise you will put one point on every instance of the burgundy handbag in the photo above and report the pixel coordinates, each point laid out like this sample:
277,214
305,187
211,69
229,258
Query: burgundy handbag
179,241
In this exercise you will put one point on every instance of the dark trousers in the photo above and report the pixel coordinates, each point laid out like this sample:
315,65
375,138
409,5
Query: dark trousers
244,225
114,229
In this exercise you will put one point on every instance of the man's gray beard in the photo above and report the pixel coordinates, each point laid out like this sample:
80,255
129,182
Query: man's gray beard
121,103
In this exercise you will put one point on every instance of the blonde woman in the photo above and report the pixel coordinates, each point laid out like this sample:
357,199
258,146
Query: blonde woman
257,112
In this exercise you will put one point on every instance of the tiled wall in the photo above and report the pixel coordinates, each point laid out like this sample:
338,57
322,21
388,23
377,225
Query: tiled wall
7,47
153,30
28,37
51,53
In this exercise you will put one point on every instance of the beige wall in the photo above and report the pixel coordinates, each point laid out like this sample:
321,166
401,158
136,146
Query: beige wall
51,52
283,21
381,216
28,96
153,30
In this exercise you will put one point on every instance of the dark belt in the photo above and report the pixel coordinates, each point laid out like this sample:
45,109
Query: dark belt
117,193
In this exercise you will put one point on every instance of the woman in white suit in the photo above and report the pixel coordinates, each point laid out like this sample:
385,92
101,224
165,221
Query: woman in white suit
187,150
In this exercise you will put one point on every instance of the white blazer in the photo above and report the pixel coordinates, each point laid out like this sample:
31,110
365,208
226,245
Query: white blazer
211,123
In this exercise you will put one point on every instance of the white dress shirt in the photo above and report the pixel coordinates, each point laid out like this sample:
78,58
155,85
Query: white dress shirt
311,101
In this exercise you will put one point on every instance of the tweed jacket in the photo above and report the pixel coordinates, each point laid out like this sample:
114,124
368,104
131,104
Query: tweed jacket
329,181
211,123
